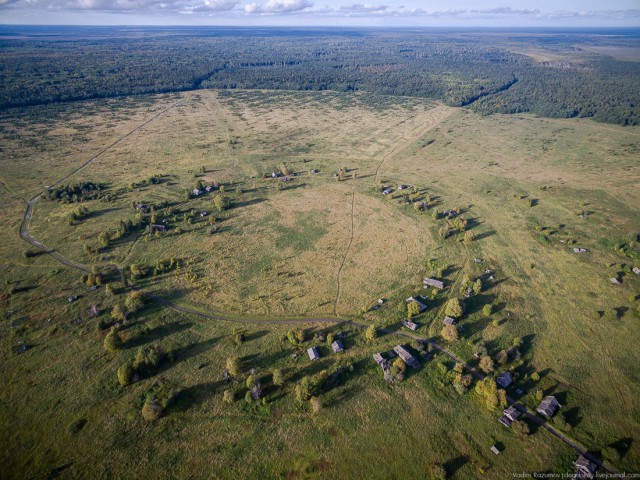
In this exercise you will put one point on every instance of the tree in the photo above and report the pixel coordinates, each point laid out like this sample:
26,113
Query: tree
502,397
477,286
125,374
251,381
112,342
502,357
413,309
486,364
229,395
449,333
371,333
134,301
221,202
454,308
151,410
278,378
296,336
488,391
105,239
234,365
303,390
469,236
487,310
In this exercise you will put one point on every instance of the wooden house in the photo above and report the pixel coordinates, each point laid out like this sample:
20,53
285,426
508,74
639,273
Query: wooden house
585,468
432,282
337,346
504,379
313,353
406,356
548,407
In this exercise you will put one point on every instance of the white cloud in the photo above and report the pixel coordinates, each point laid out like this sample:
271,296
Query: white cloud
278,6
366,8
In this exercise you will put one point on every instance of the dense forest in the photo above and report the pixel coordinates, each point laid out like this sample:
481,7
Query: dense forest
459,68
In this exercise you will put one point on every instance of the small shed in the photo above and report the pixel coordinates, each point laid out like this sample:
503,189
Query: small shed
402,187
585,468
512,413
506,421
410,325
196,192
495,450
504,379
313,353
615,281
478,260
548,407
204,214
449,321
406,356
382,362
636,270
432,282
337,346
72,298
387,191
579,250
154,227
208,188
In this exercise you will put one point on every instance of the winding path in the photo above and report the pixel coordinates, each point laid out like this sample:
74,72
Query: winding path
24,233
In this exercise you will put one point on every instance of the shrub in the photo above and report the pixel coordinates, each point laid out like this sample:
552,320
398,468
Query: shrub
487,310
112,342
229,396
278,378
148,359
535,376
520,428
486,364
477,286
125,374
438,472
454,308
413,309
234,365
151,410
449,333
134,301
315,404
371,333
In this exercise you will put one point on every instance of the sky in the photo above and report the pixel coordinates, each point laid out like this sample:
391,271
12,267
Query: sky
391,13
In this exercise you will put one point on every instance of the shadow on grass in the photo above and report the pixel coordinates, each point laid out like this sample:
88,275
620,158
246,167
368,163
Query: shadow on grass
198,394
157,333
455,464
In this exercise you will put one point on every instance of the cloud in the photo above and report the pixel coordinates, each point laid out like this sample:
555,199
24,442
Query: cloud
366,8
278,6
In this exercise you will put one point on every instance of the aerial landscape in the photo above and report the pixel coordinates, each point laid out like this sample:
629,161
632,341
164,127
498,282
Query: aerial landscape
310,242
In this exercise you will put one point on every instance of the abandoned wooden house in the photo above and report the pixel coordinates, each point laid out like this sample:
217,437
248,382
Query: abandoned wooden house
509,416
478,260
387,191
432,282
402,187
548,407
449,321
154,227
422,304
337,346
313,353
204,214
410,325
585,468
579,250
208,188
504,379
406,356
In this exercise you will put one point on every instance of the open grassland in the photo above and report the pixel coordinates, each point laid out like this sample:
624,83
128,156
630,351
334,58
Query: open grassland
315,247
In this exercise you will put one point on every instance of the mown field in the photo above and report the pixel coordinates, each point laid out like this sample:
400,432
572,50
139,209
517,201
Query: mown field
316,246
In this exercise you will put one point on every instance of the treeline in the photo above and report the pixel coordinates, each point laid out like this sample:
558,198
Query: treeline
459,70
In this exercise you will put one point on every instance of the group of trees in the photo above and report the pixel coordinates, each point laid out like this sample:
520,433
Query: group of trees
474,71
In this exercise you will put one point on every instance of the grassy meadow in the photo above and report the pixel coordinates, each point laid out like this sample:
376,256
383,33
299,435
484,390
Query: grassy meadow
318,245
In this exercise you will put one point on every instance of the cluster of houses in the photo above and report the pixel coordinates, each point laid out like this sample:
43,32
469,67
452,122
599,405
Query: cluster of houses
398,351
337,347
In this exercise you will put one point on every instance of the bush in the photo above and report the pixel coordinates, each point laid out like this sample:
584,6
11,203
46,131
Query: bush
449,333
487,310
134,301
454,308
234,365
438,472
112,342
371,333
148,359
486,364
151,410
278,378
520,428
229,396
125,374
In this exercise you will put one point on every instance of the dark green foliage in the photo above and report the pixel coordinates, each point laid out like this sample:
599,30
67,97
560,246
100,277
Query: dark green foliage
148,359
461,72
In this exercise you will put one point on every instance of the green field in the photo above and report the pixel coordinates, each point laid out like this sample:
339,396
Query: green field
316,246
